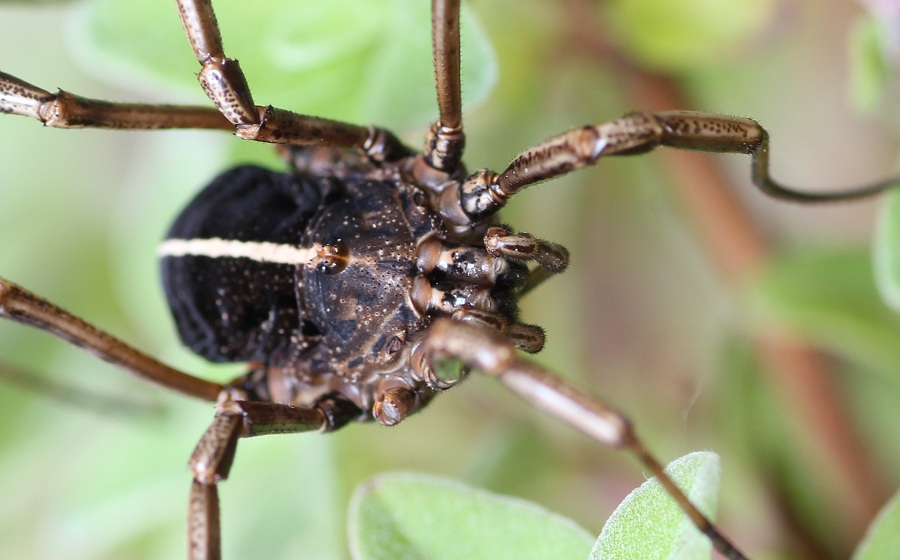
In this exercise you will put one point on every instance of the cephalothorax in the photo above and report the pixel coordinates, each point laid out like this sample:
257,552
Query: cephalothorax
331,292
346,282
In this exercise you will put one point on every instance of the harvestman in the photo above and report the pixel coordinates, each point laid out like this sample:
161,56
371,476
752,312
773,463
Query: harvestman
347,280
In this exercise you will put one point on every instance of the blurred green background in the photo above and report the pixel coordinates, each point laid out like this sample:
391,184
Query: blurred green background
642,317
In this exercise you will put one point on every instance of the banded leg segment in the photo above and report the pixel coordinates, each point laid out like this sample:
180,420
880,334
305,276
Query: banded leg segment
445,141
65,110
210,463
22,306
486,350
484,192
226,86
212,458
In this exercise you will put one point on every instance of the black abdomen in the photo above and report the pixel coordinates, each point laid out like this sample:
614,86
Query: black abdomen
232,297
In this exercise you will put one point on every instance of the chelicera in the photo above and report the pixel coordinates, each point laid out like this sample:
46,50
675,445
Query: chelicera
348,282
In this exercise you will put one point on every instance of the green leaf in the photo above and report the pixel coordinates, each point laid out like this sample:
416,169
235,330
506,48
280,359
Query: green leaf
649,525
829,298
406,516
886,253
882,540
355,61
681,34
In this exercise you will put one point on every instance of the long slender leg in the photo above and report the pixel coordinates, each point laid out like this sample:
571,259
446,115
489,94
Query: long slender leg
65,110
485,192
226,86
20,305
264,124
445,141
486,350
211,460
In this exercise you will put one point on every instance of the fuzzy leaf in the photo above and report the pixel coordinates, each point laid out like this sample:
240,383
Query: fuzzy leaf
649,525
408,516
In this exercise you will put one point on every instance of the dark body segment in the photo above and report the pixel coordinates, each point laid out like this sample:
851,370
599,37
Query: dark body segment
240,309
366,305
316,321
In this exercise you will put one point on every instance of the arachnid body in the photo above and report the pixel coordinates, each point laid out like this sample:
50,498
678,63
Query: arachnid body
416,266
